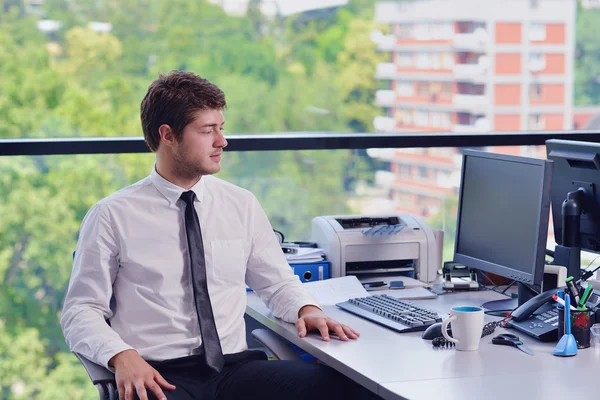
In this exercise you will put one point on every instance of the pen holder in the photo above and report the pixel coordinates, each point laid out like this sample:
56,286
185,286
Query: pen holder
580,327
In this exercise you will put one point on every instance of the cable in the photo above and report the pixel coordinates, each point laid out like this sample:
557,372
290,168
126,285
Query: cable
587,274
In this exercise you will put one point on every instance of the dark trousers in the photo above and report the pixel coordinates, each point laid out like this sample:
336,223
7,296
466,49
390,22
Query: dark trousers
249,375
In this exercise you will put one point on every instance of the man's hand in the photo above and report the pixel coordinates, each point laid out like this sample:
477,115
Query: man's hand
132,372
311,317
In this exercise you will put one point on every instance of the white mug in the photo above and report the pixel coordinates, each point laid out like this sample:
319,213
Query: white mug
467,326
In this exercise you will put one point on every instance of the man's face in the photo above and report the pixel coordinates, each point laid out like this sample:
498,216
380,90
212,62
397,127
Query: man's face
202,142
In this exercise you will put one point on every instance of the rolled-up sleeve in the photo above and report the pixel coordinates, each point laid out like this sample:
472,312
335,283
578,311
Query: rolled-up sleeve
87,302
269,274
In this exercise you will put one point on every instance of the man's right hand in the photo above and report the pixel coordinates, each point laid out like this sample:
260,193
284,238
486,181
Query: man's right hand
132,372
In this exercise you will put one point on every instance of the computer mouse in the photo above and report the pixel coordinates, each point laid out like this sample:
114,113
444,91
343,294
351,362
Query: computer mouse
433,331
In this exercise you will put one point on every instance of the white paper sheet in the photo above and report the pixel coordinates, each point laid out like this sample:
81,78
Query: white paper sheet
336,290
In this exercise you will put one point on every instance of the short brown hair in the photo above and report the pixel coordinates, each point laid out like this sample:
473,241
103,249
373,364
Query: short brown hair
172,99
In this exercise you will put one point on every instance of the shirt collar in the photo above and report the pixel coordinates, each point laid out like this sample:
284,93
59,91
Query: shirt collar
173,192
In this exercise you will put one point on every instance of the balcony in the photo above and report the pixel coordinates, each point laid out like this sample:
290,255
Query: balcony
475,41
473,103
475,73
385,71
385,98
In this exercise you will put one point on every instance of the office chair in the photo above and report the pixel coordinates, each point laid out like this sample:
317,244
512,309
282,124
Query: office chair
104,380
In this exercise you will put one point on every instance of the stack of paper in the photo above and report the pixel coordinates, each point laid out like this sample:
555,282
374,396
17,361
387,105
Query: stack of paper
305,255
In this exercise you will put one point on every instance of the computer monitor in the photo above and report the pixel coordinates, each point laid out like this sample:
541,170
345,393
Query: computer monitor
503,215
575,201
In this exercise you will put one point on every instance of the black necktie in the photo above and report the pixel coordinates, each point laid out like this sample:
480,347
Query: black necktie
208,330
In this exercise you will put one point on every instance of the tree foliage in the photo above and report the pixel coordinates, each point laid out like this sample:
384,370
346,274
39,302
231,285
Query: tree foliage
278,75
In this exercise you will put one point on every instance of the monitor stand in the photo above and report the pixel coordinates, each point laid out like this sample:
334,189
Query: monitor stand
524,293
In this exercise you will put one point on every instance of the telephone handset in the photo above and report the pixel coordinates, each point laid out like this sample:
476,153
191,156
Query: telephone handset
527,309
538,317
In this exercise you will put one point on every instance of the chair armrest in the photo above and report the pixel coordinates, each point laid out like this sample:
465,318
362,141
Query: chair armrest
276,344
97,373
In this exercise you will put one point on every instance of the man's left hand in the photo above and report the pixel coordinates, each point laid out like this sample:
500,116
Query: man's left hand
311,318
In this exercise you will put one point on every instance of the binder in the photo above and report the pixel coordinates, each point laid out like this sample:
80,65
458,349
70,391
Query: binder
312,271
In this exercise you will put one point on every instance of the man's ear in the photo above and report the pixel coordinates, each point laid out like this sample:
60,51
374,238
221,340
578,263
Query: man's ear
167,136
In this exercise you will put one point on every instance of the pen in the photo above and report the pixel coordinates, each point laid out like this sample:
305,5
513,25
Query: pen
373,284
573,289
586,295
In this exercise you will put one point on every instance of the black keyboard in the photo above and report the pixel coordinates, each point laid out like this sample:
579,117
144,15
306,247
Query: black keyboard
399,315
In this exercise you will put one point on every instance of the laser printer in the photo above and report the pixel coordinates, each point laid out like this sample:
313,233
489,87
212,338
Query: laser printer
370,246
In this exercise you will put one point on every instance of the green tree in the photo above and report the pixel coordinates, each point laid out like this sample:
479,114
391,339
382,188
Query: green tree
587,61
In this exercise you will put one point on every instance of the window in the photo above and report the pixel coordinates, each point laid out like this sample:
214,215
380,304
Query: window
436,60
535,122
535,91
447,60
404,31
405,59
422,31
446,88
537,62
403,117
421,118
423,173
537,31
446,120
423,89
405,89
423,60
404,170
436,119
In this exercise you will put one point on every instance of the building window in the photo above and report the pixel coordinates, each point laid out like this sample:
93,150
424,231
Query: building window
537,62
446,120
405,89
405,59
421,118
404,170
535,91
446,88
404,117
537,32
436,60
423,60
436,119
447,60
422,31
404,31
423,172
423,89
535,122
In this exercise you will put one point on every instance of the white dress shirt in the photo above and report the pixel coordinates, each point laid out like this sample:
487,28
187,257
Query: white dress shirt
133,245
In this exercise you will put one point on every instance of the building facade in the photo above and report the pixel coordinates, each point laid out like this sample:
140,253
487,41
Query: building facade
470,66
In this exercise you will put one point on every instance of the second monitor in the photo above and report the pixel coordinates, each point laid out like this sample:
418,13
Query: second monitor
503,213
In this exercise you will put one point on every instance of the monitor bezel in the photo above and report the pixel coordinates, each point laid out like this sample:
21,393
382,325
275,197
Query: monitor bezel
558,149
536,275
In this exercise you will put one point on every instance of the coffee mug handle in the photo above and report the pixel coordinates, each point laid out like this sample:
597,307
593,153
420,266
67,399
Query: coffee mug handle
445,329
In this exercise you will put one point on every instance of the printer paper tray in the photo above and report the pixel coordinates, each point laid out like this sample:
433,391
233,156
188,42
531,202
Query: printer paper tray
380,271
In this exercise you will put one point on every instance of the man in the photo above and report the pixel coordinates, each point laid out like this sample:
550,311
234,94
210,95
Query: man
174,251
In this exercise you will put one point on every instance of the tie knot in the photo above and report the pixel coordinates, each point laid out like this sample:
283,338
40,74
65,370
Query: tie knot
188,197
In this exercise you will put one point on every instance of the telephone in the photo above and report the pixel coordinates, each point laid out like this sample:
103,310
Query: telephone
538,317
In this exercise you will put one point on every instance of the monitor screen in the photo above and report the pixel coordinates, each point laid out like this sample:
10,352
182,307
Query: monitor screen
504,206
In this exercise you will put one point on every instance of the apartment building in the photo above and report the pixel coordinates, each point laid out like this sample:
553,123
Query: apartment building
469,66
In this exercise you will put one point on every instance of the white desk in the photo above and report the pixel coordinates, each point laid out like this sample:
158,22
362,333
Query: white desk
404,366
